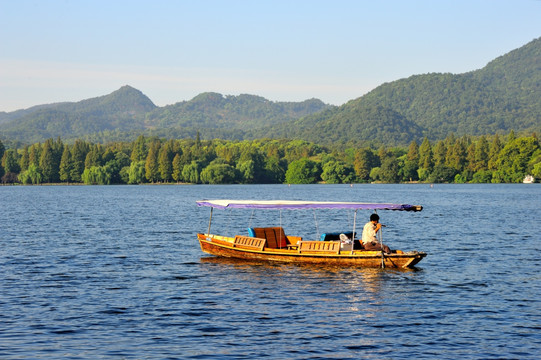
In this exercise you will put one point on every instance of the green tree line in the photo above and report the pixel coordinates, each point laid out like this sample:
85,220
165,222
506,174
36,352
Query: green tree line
154,160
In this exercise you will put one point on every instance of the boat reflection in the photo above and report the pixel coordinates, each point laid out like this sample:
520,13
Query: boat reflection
312,268
346,279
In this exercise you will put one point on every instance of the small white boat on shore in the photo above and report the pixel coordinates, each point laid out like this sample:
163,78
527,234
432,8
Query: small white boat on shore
528,179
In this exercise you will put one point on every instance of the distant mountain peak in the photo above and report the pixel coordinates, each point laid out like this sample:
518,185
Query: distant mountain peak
128,96
128,89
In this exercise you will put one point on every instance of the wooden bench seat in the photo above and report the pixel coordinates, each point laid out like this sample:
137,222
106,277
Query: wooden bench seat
275,237
332,247
249,243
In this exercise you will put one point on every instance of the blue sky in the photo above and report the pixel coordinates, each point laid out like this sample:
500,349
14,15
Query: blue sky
336,50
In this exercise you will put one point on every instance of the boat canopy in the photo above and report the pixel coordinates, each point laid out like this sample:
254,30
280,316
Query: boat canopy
299,205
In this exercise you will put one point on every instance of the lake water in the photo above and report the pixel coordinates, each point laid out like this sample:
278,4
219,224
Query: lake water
91,272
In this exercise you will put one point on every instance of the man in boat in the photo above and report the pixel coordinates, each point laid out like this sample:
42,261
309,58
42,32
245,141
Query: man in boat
369,239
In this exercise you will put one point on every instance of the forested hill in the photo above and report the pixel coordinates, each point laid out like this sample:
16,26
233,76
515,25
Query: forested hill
505,95
122,110
127,112
213,110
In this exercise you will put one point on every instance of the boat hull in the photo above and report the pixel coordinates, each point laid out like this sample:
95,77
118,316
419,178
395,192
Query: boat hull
222,247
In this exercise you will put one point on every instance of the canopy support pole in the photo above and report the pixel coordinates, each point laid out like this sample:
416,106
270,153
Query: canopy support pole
210,220
251,218
353,235
280,238
318,235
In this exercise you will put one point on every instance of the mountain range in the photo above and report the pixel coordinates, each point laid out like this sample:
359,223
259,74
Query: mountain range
505,95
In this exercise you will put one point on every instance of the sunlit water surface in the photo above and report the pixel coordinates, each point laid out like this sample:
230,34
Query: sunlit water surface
116,272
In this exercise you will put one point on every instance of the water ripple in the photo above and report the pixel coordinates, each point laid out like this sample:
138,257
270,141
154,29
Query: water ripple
115,272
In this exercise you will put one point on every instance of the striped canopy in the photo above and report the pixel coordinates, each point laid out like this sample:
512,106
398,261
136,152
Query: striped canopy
298,205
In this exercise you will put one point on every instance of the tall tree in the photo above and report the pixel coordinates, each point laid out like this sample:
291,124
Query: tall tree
165,162
457,156
480,158
511,137
177,168
139,150
425,155
493,152
365,160
383,153
413,152
94,157
49,162
118,167
78,157
2,149
251,163
66,165
470,157
440,151
34,154
10,162
410,163
25,159
389,171
152,172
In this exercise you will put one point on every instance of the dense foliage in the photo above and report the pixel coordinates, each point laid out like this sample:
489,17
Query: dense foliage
155,160
127,113
213,110
350,125
503,96
122,110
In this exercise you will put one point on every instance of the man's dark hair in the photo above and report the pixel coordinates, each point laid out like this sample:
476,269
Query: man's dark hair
374,217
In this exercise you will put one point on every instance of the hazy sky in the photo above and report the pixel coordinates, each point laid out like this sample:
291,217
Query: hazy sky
291,50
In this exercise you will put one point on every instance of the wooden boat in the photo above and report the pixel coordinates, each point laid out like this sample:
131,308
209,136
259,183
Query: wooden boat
272,244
